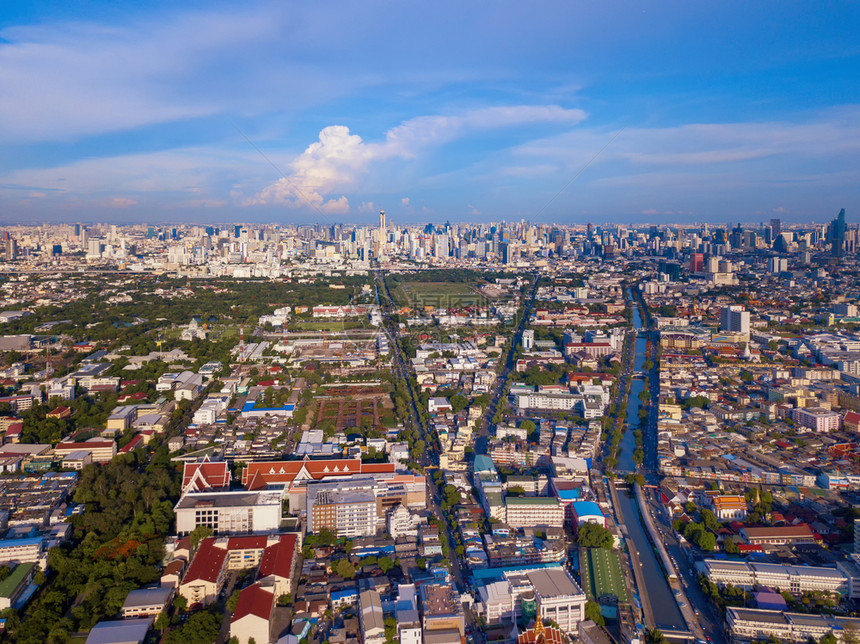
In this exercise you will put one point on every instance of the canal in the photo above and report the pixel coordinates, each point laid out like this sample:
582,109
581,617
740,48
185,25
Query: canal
628,441
667,615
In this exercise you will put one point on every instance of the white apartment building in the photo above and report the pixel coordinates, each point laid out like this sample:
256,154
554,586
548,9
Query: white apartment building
530,511
750,624
239,512
735,319
794,579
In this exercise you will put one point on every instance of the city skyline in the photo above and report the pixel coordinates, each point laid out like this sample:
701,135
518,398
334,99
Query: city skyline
110,112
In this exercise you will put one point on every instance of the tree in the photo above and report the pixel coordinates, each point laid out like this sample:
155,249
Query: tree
707,541
592,612
390,625
528,425
458,402
730,547
198,534
451,496
385,563
162,622
828,638
344,568
180,603
655,636
710,519
591,535
201,628
233,601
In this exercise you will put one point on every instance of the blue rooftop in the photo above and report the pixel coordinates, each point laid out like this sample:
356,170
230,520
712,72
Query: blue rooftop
483,463
250,406
586,508
13,543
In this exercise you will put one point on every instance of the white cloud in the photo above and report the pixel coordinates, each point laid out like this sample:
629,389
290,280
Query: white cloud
404,201
336,162
366,206
64,81
120,202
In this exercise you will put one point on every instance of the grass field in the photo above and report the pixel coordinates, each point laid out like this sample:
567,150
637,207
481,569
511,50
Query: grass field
602,574
436,294
325,325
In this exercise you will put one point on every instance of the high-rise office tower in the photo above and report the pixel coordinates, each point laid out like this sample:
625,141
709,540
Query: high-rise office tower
734,319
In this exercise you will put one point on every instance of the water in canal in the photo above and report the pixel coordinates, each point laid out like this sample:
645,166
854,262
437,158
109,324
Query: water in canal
628,441
667,615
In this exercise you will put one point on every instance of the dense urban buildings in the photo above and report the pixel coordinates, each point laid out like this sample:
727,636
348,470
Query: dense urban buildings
480,432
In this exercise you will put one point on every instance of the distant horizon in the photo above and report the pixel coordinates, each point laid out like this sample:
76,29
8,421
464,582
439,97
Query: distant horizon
565,112
395,224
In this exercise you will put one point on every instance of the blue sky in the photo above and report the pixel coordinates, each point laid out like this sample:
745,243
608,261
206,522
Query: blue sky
329,111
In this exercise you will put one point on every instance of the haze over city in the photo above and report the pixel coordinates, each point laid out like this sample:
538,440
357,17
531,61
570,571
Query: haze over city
328,112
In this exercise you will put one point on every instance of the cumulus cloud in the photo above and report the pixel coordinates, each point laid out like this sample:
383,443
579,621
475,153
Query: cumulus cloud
332,164
339,159
404,201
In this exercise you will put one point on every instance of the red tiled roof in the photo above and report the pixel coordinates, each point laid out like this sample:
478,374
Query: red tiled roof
278,558
256,483
254,600
206,475
852,417
784,532
90,445
246,543
136,396
285,472
551,635
136,442
173,568
207,563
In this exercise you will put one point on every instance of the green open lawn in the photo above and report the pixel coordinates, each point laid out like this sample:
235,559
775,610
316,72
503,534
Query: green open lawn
602,573
325,325
436,294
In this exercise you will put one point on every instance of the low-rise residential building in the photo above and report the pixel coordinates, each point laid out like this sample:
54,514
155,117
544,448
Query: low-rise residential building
794,579
751,624
524,511
797,534
252,617
102,450
370,617
146,602
229,512
14,585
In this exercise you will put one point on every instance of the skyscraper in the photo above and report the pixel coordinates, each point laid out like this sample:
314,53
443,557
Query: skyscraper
775,228
836,234
734,319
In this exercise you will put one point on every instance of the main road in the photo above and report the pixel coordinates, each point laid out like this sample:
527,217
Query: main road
507,366
430,458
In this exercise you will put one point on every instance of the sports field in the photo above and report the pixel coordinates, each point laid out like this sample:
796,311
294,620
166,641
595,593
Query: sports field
437,294
601,573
